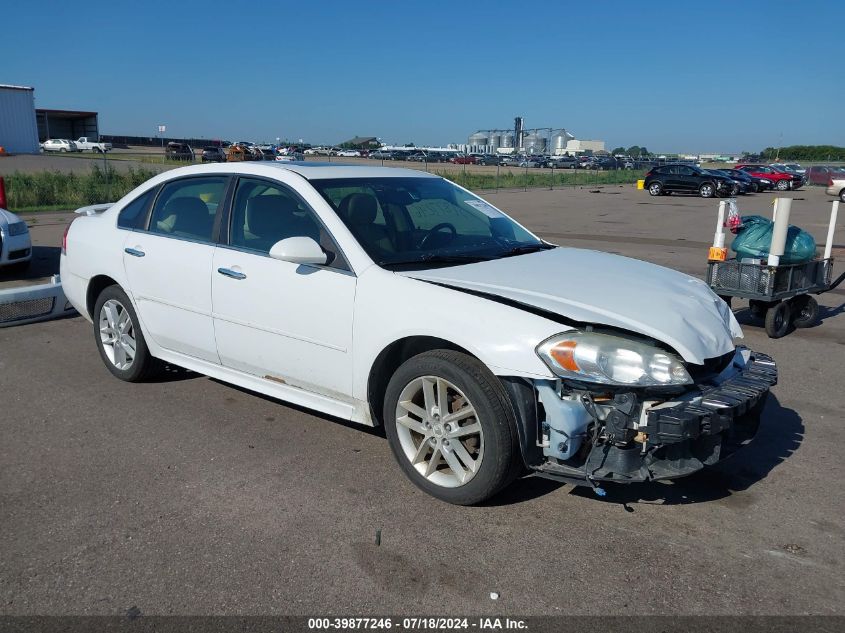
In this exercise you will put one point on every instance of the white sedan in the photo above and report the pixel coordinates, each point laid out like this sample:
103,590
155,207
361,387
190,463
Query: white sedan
349,153
59,145
836,187
15,242
394,297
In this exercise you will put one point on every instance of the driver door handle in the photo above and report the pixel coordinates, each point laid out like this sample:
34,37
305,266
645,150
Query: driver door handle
228,272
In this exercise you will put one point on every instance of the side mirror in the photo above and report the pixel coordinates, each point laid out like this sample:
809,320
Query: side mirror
298,250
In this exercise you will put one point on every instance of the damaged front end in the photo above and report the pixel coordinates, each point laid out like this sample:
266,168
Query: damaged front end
585,432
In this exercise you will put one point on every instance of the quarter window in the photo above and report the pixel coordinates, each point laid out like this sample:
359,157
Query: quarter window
132,215
186,208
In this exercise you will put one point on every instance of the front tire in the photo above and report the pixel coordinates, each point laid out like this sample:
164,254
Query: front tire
464,451
782,185
707,190
119,339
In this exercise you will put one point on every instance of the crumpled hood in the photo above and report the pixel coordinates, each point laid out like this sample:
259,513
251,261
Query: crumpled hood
603,289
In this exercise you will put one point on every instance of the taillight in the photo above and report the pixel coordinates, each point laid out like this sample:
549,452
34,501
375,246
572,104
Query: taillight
830,182
64,238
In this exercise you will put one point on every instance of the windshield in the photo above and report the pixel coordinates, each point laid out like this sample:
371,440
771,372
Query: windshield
429,221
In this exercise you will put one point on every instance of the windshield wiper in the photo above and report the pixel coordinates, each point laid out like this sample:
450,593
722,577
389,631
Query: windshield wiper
526,248
434,258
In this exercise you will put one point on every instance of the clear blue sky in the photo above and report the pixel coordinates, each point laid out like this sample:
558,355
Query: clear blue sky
661,74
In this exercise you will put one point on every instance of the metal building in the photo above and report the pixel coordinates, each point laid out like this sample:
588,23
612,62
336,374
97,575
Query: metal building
69,124
18,130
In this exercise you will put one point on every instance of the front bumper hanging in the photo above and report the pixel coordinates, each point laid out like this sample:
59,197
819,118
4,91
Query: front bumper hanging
686,436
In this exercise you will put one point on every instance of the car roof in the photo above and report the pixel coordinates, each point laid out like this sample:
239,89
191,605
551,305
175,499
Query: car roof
310,170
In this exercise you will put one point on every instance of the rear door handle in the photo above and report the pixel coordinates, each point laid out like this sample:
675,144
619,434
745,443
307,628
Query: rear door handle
134,252
228,272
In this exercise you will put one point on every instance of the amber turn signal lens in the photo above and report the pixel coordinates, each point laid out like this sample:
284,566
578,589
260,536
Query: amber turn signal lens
564,355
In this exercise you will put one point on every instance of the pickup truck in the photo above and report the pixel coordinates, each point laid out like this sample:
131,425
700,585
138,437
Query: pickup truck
84,144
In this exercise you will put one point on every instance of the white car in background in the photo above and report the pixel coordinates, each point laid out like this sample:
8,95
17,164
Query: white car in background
15,241
836,187
395,297
349,153
59,145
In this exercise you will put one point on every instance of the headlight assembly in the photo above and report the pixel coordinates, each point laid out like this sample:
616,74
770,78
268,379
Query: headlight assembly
18,228
611,360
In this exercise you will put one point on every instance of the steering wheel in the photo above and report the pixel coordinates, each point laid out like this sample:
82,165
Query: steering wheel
434,230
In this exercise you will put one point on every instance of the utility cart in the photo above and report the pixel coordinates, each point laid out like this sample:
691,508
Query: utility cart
781,294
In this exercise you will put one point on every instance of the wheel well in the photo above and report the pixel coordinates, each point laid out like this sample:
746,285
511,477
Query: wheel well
389,360
95,287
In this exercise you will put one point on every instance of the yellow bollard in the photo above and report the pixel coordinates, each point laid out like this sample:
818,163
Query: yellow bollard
641,184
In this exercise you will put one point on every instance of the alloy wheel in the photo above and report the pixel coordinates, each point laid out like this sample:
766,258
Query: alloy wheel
439,431
117,334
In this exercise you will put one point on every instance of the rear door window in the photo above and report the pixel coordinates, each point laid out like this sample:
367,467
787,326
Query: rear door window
186,208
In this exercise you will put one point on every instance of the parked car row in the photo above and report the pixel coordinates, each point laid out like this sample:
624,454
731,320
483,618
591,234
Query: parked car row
751,178
240,151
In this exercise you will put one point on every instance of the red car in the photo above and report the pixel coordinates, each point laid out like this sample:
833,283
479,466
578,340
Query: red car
822,174
464,160
781,180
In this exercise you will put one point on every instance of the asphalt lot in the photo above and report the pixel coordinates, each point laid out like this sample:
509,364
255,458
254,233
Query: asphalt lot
189,496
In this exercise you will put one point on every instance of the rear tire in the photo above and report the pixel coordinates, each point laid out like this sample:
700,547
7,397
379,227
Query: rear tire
778,320
117,333
655,189
842,195
805,311
475,456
